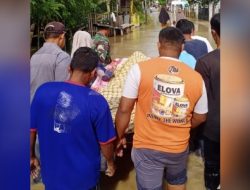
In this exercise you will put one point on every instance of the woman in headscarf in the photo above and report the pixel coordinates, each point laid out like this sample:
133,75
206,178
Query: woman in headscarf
164,17
81,39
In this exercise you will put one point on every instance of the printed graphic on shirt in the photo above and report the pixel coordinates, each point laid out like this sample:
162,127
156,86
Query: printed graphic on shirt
65,111
173,70
169,105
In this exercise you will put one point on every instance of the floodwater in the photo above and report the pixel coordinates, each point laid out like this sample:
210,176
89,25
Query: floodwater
145,39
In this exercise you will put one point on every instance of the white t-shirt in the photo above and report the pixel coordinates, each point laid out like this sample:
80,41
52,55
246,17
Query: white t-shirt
133,81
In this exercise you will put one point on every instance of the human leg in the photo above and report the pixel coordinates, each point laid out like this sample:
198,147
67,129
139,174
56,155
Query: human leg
149,172
176,187
176,171
212,164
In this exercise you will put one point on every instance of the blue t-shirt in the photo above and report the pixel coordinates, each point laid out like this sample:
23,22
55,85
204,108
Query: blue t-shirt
196,48
71,121
188,59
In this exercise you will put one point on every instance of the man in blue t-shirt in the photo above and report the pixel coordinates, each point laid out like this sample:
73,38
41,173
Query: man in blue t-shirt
196,48
73,123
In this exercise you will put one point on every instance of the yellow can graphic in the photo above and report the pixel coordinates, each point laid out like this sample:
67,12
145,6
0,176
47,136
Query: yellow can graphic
166,89
180,107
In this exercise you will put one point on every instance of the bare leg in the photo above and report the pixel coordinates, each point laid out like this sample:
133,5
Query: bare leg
176,187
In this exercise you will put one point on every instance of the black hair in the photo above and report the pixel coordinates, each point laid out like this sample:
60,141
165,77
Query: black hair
171,36
215,23
84,59
192,24
185,26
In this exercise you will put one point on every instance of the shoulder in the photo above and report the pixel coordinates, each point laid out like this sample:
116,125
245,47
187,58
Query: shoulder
97,102
64,57
46,87
213,55
63,54
50,85
208,62
198,41
96,98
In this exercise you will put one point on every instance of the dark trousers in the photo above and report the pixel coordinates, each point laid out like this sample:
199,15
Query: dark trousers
212,163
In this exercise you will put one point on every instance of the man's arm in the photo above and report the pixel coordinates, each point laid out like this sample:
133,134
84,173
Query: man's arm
123,114
34,162
127,102
108,153
198,119
32,144
200,109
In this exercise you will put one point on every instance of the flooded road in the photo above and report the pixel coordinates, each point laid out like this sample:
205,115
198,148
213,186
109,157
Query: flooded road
145,38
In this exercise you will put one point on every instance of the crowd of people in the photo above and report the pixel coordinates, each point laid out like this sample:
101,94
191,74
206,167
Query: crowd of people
173,93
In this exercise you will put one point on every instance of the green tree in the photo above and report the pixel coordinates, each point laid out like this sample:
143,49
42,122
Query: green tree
162,2
73,13
44,10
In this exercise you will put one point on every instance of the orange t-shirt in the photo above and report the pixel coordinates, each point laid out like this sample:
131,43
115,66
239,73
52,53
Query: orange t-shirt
167,94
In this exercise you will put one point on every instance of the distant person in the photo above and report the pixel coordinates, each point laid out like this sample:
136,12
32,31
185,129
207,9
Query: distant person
179,15
209,68
193,36
166,110
102,47
81,39
164,17
73,123
196,48
50,62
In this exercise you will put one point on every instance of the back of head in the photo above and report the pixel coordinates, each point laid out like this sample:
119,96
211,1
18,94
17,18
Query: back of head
53,30
171,38
104,30
81,39
215,23
185,26
163,8
84,59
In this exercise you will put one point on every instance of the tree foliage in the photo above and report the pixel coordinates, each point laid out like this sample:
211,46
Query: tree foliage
44,10
71,12
162,2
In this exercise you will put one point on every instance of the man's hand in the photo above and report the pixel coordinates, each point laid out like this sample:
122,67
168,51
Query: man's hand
34,167
122,143
111,168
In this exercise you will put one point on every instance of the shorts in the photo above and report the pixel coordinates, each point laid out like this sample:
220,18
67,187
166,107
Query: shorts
153,166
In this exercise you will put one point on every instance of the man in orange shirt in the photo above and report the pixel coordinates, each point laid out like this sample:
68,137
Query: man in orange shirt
170,98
